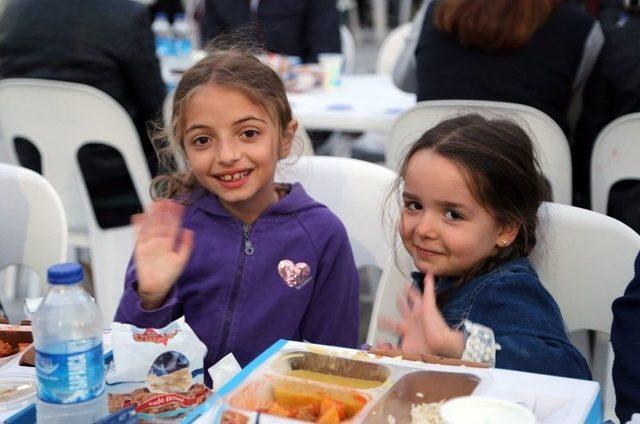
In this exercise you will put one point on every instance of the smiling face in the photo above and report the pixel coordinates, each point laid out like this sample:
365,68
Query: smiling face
233,147
444,228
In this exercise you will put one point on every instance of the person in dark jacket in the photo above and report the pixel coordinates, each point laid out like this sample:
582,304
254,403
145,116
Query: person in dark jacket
625,338
105,44
300,28
613,90
540,55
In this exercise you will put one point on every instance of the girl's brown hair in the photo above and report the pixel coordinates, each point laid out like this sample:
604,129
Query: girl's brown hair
502,172
492,25
233,67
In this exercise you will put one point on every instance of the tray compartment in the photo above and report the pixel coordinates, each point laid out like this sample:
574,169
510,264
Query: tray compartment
420,387
331,369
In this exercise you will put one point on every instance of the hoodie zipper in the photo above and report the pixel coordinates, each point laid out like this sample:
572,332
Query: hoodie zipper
246,250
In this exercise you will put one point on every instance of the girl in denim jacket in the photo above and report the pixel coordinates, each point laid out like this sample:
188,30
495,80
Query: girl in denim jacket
470,189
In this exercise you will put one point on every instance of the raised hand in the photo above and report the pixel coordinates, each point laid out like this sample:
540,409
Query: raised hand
423,329
162,250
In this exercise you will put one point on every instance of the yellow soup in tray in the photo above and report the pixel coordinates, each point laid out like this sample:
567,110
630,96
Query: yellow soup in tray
354,383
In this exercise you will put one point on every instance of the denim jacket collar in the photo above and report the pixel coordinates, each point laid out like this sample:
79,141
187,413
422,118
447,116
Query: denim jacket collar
445,283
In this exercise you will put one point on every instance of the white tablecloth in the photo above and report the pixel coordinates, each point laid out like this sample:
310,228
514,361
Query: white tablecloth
367,102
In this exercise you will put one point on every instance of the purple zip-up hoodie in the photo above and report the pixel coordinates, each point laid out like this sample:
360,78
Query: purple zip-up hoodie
237,293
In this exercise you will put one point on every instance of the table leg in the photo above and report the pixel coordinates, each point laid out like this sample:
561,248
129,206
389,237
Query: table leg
379,9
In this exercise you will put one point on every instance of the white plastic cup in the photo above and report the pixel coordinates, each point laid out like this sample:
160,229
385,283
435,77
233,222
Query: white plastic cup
331,67
477,409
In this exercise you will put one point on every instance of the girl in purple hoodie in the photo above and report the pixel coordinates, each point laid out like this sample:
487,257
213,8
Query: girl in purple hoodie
247,261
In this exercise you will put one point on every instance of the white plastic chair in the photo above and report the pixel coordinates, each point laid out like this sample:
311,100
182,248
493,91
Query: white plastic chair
348,46
32,222
302,137
350,7
391,48
395,276
111,251
615,157
585,260
551,144
356,192
59,118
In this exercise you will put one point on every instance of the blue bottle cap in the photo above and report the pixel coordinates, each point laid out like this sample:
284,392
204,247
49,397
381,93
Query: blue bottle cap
65,273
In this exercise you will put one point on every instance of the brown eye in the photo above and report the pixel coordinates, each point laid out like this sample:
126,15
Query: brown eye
412,206
452,215
200,141
250,133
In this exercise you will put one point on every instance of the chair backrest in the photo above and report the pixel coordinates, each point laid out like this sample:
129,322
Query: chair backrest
59,118
32,221
302,136
550,142
111,250
615,157
348,46
585,260
395,276
356,192
391,48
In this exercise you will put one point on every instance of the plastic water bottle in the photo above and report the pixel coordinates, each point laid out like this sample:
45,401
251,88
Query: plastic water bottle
67,331
182,34
163,35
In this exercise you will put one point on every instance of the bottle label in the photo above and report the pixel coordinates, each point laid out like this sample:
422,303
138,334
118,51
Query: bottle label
70,377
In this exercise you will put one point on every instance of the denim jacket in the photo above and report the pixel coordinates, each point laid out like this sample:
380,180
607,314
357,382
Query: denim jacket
525,319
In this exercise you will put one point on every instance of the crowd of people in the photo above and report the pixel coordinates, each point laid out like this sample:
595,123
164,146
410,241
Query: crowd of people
229,248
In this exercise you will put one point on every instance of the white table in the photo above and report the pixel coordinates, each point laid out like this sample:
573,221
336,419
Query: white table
363,102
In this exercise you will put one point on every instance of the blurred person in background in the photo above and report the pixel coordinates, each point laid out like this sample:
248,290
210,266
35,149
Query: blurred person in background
300,28
533,52
625,339
613,90
105,44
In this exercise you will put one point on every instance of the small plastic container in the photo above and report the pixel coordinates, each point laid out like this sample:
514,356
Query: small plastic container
485,410
16,392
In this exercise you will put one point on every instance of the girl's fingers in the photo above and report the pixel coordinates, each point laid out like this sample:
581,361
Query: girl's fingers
402,304
415,298
429,295
391,326
384,346
136,223
185,244
164,219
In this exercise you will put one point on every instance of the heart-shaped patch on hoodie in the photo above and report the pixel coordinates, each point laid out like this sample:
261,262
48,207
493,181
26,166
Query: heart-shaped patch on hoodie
294,275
